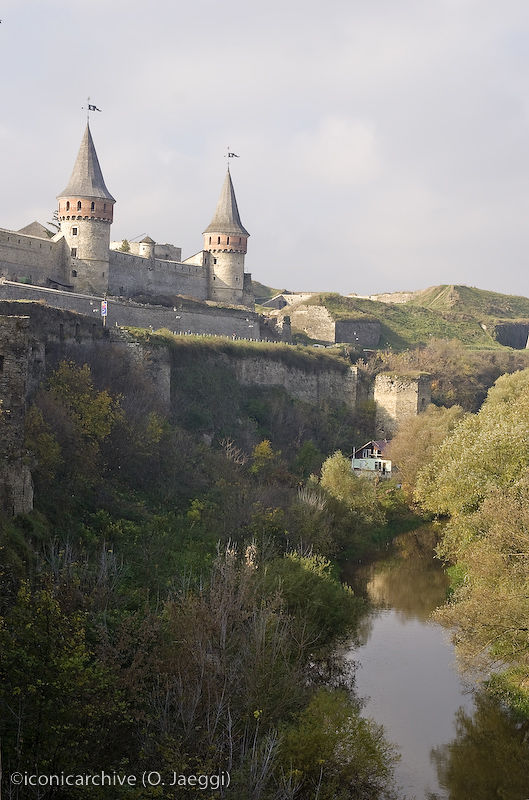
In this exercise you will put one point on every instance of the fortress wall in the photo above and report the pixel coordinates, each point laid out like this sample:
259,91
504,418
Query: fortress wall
362,334
23,256
130,274
511,334
397,398
315,321
330,385
186,316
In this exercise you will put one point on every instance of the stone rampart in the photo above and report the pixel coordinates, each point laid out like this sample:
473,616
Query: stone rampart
397,398
185,316
131,274
326,385
29,257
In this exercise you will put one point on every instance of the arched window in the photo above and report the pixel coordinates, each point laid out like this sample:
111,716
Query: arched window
67,205
78,205
228,240
218,239
210,239
92,206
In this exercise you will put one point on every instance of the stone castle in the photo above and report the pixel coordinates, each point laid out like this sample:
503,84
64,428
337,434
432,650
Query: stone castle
81,259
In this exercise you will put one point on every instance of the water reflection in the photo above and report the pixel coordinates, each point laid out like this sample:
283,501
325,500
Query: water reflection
411,580
487,759
455,744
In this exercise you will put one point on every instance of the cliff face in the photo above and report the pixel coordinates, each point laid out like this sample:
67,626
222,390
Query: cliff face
16,489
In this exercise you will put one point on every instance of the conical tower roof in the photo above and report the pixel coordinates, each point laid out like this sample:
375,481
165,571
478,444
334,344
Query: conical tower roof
86,179
226,218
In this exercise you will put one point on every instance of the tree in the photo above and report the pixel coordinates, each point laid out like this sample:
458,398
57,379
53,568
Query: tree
418,438
335,754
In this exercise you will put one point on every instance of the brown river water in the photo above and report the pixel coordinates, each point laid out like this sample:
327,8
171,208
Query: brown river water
455,743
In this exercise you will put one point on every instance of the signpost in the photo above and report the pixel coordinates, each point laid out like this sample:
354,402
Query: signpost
104,311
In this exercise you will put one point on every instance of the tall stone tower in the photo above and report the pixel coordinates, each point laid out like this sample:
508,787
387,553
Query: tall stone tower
225,239
85,214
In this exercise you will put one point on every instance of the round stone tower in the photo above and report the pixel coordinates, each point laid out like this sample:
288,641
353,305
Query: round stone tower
146,249
85,213
226,239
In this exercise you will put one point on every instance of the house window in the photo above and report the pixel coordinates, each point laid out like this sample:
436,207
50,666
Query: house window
74,231
74,273
78,205
74,252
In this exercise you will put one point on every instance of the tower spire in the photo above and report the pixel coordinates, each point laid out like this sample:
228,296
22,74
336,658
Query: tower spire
226,218
87,179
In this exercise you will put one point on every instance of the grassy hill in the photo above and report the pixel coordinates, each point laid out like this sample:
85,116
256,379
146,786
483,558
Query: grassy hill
478,303
407,325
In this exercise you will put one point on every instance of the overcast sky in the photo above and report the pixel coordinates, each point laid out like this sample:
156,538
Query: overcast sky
384,144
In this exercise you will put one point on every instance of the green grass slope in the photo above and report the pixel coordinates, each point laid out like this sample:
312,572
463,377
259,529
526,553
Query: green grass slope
479,303
408,325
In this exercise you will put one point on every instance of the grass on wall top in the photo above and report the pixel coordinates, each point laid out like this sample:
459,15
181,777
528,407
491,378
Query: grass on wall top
309,359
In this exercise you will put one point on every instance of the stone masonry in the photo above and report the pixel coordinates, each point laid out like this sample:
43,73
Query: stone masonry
397,398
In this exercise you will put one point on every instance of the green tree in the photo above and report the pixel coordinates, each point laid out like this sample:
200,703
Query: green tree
335,754
417,439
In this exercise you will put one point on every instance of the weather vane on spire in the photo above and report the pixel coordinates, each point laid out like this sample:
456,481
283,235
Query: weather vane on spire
230,155
90,107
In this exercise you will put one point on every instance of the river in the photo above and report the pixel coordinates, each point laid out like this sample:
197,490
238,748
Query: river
455,743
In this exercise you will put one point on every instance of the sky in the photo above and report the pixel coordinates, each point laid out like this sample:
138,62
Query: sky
384,144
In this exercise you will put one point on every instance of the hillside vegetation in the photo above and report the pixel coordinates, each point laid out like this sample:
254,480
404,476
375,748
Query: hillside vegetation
466,314
476,302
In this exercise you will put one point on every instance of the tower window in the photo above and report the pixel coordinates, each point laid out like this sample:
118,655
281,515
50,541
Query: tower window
214,260
67,205
218,239
78,205
92,206
74,231
104,206
74,273
240,240
228,240
210,239
74,255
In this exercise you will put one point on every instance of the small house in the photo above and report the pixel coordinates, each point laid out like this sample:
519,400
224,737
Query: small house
370,459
